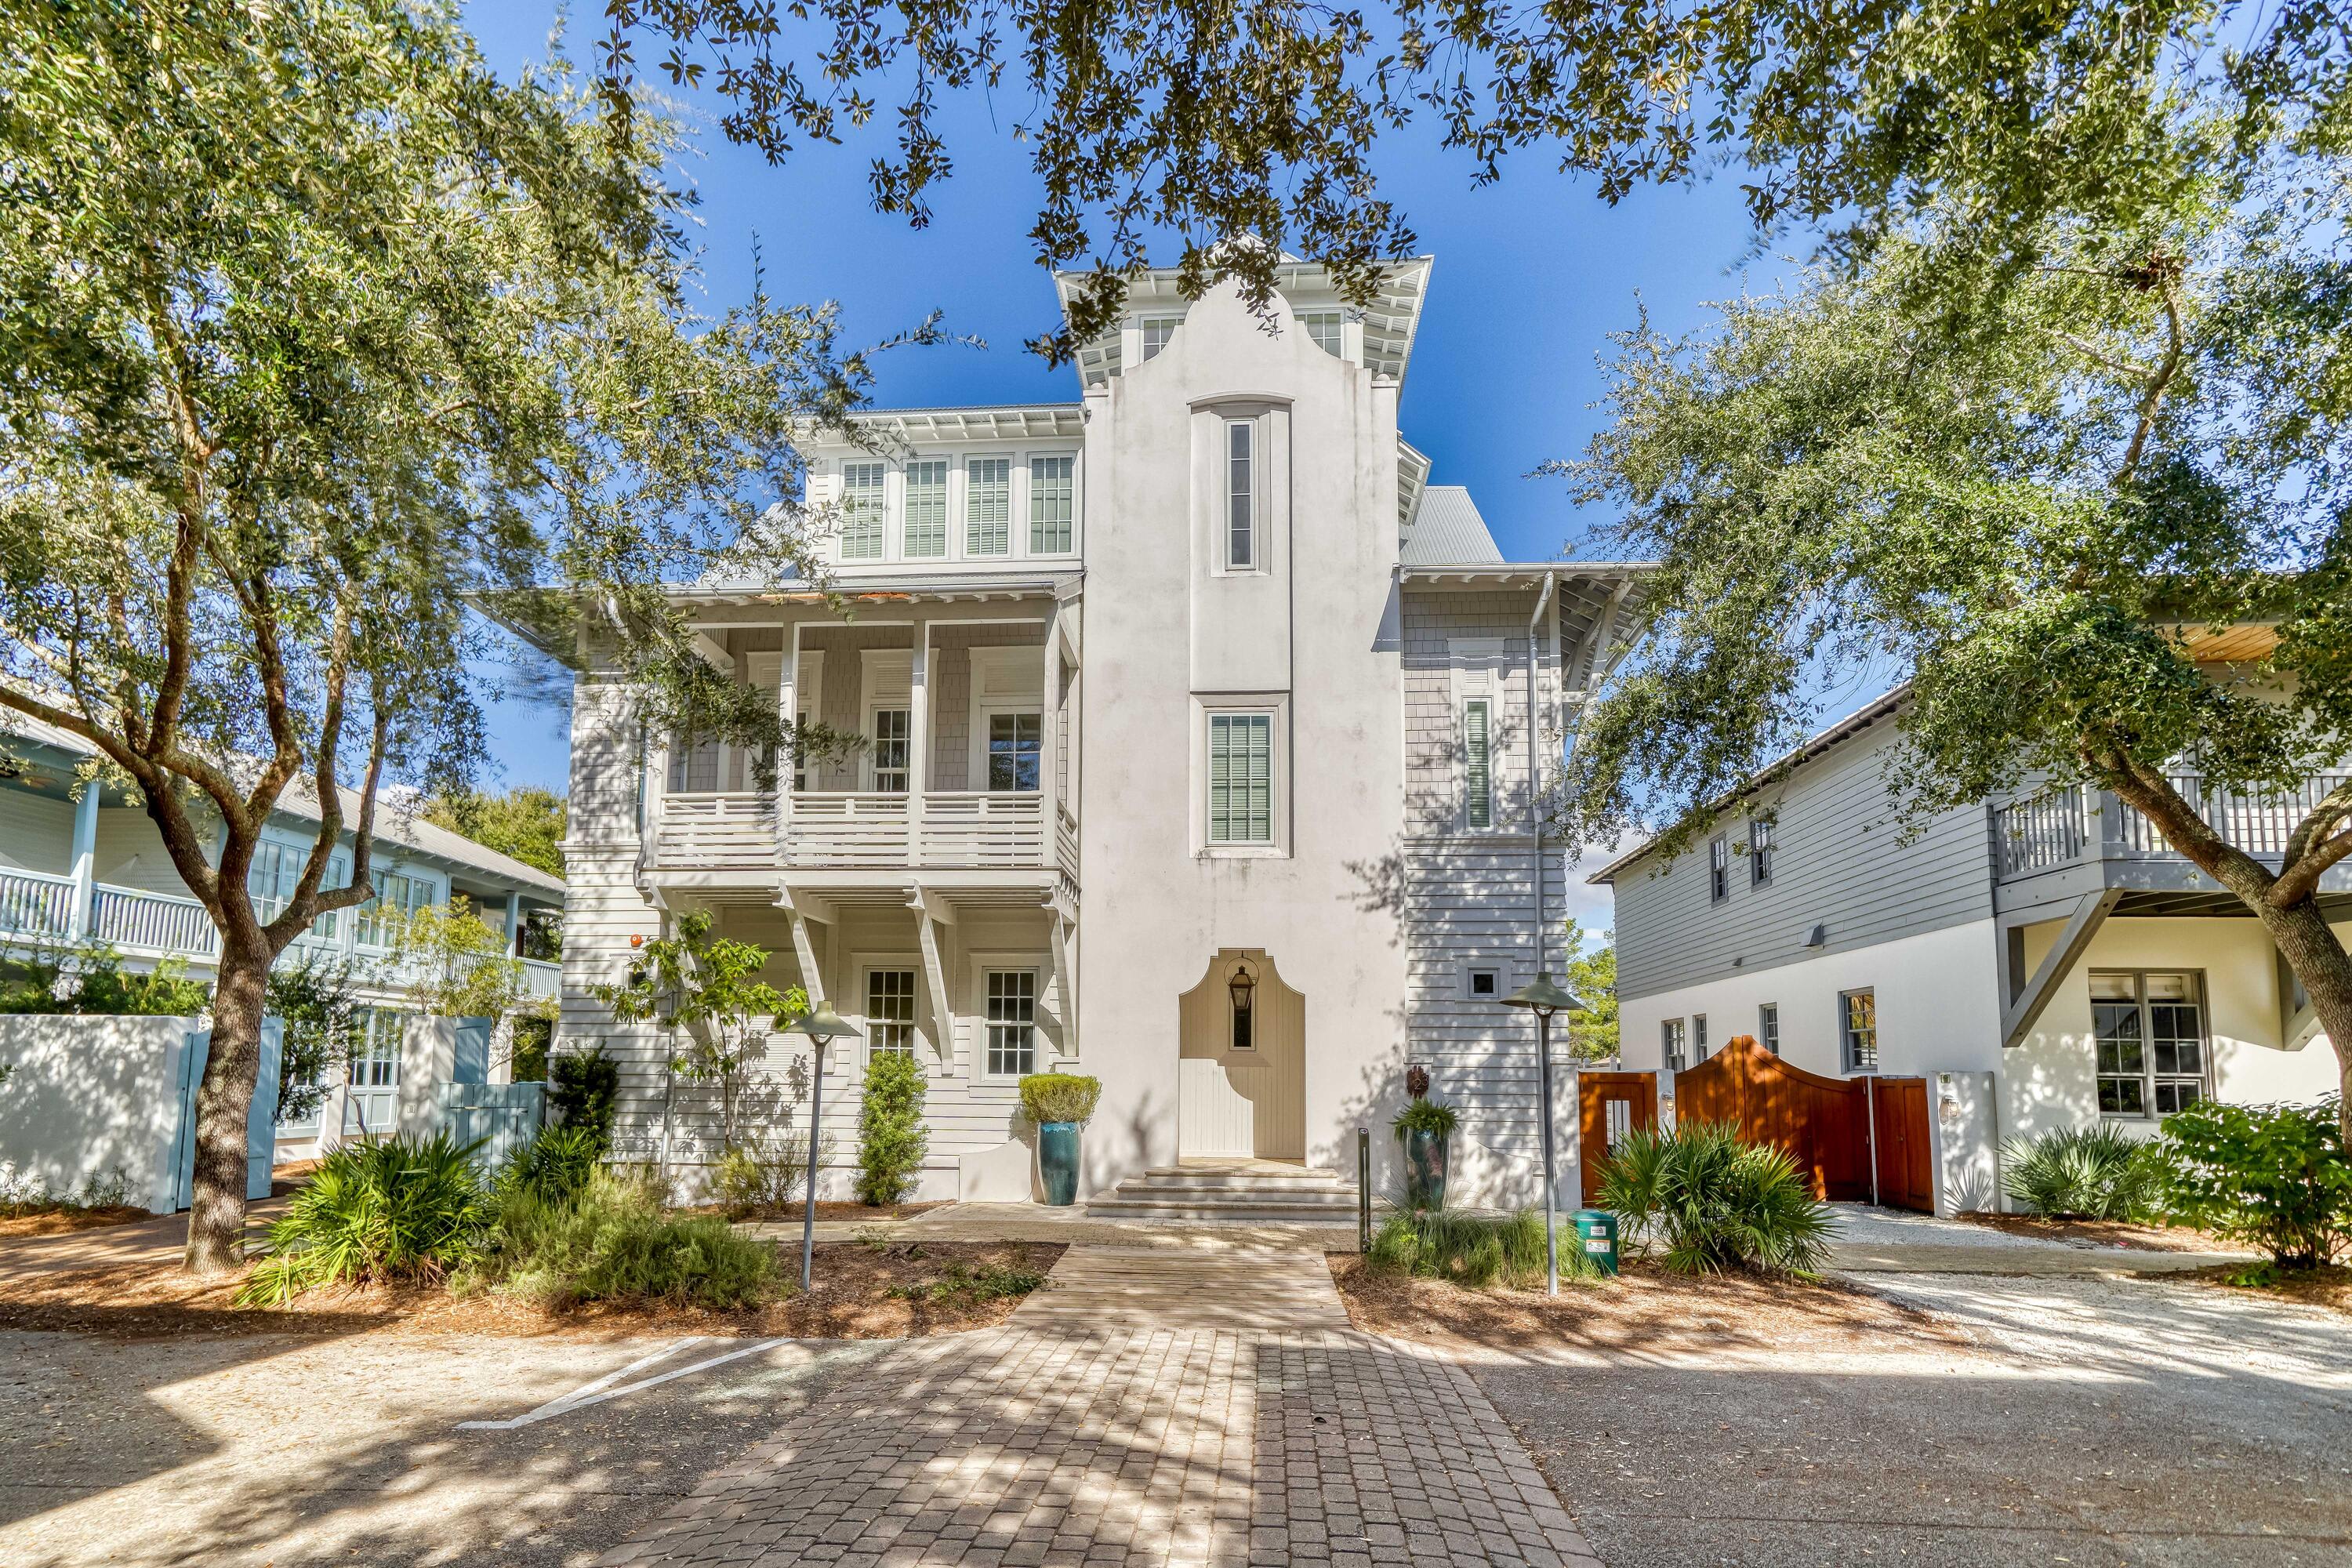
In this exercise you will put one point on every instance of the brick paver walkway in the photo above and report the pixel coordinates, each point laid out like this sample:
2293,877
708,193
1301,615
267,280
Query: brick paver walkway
1151,1409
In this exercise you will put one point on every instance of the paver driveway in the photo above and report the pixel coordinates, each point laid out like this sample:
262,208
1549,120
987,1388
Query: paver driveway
1151,1408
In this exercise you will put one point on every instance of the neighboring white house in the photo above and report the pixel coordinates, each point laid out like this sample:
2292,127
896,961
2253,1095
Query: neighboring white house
1193,680
2045,962
81,864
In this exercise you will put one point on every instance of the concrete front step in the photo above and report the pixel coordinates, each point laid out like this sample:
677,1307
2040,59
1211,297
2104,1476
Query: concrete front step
1237,1182
1219,1214
1260,1191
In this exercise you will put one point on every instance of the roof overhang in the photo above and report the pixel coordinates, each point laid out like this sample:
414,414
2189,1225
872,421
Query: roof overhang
1521,574
1002,422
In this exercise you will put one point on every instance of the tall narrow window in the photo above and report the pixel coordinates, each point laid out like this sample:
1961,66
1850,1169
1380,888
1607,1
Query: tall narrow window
1670,1045
1241,778
891,1010
863,515
800,753
1477,764
270,881
927,508
2150,1034
891,733
1157,331
338,874
1767,1026
1759,851
1241,494
1718,870
1698,1036
397,898
1014,745
1859,1010
1053,502
1323,329
988,507
1012,1022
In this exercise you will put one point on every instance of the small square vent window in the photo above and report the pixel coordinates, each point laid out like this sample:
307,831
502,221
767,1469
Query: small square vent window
1485,982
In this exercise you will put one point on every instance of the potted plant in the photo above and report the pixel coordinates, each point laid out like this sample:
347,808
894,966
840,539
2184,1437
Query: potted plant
1059,1104
1424,1126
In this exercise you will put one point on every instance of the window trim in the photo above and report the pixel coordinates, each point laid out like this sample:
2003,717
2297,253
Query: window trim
969,535
1848,1057
1029,468
1307,319
2149,1076
1699,1050
869,964
947,507
1276,712
880,520
1673,1045
1469,988
1144,351
1228,564
1478,792
1763,852
1718,869
1767,1026
984,967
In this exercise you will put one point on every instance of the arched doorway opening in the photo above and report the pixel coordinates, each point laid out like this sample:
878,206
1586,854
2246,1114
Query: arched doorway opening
1242,1078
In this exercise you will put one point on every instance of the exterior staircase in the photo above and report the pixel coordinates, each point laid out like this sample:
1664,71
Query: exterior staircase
1249,1192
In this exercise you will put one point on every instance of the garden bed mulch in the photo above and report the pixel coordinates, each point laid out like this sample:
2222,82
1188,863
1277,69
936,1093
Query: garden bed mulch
1643,1309
773,1213
863,1292
65,1217
2329,1287
2106,1233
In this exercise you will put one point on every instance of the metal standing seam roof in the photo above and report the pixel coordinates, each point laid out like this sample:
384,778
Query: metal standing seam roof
1446,531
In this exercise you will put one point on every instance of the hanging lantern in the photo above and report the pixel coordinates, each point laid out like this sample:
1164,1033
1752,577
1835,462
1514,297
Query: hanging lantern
1241,986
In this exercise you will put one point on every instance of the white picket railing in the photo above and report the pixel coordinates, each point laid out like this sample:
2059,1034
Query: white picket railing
540,979
2062,827
975,829
700,831
863,829
36,904
153,922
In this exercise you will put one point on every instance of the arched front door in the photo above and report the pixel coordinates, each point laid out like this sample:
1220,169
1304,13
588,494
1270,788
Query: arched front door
1242,1083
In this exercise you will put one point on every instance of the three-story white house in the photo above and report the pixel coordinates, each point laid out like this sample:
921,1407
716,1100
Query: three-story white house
1199,734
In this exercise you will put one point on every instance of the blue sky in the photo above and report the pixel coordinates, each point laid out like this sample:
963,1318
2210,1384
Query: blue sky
1532,275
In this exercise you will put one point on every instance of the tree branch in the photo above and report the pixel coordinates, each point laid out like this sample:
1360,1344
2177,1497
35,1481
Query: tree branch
2166,368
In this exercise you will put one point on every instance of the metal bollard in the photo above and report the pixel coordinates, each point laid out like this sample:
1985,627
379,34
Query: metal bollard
1363,1189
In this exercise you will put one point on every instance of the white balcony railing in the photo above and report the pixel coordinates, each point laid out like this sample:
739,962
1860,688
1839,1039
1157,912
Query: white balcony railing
540,979
865,830
738,828
860,830
984,830
153,922
2064,827
36,904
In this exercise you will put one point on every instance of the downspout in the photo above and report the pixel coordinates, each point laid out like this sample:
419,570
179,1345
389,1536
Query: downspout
1535,754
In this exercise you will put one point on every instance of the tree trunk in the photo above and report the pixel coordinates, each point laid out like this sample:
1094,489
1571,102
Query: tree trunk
2316,954
224,1104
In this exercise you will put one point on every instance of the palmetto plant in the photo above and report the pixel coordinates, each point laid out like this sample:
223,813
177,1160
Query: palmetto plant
1710,1201
1467,1249
2081,1173
408,1209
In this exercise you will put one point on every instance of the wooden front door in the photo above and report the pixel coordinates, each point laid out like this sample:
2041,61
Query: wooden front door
1608,1106
1906,1177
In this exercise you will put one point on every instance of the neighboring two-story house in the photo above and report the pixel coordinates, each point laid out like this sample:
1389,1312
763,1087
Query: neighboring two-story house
85,866
1198,731
2046,961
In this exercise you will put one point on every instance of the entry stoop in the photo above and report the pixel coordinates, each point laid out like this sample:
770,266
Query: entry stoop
1250,1192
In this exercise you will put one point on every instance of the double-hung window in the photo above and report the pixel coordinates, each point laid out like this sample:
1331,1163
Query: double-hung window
375,1056
1698,1036
893,735
1241,778
927,508
891,1010
1671,1036
988,506
865,514
1012,1022
1015,745
1477,763
1241,495
1053,503
1759,851
1324,330
1767,1026
1718,870
1858,1027
2150,1030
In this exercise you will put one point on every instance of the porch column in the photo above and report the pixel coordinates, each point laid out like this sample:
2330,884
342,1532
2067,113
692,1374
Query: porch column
918,739
1049,731
514,923
85,862
788,712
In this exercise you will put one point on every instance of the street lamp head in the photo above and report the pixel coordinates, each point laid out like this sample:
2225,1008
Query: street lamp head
821,1024
1543,998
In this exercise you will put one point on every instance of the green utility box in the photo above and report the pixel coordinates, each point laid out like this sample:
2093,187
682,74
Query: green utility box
1596,1233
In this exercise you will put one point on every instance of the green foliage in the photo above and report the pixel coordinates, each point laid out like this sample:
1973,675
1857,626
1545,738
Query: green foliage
1713,1202
961,1285
556,1166
1059,1097
891,1137
2082,1172
584,1090
406,1210
525,822
2273,1177
613,1243
90,981
1426,1116
767,1172
325,1023
456,965
707,989
1476,1250
1592,978
534,1038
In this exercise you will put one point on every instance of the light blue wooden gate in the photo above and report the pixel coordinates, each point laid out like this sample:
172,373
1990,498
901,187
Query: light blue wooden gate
503,1115
261,1120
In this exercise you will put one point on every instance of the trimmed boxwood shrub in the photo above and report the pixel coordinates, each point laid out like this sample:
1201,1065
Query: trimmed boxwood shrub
891,1137
1059,1097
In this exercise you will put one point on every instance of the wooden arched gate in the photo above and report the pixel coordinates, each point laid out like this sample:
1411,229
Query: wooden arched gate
1858,1140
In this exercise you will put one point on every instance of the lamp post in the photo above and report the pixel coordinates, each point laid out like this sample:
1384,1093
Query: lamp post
821,1024
1543,999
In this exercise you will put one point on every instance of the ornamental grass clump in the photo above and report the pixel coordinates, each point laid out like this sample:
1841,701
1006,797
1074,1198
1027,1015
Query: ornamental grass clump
1475,1250
2082,1172
1059,1097
406,1210
613,1243
1707,1201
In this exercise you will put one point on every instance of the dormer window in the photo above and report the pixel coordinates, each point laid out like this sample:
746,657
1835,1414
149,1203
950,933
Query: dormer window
1157,331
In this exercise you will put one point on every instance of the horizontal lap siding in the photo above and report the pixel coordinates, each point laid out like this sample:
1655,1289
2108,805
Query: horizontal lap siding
950,692
1840,861
36,832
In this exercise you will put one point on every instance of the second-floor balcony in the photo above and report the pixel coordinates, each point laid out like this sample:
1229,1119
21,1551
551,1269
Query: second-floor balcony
2080,834
864,829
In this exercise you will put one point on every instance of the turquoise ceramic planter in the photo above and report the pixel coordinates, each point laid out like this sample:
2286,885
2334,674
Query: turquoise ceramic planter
1425,1169
1057,1162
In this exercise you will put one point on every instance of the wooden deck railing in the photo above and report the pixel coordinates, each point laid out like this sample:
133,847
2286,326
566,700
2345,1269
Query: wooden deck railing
2063,827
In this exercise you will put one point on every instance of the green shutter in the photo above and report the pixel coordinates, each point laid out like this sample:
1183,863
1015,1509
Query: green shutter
1241,778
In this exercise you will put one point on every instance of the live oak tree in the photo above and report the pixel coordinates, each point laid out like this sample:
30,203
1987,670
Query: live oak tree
526,822
2037,491
311,329
1207,121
